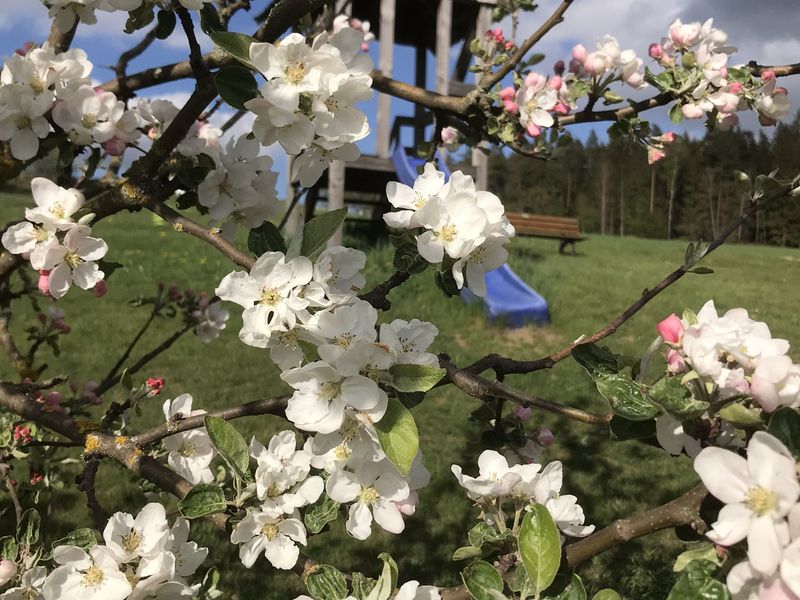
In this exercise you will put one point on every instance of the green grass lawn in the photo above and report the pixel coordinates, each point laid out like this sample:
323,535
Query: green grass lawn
584,292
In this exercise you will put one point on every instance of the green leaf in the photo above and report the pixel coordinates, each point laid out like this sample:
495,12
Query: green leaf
108,267
319,230
482,581
573,591
8,547
626,398
704,551
607,594
539,547
230,444
696,582
203,499
126,380
624,429
410,399
28,528
236,85
83,538
166,24
362,585
265,238
675,113
784,424
701,271
740,416
596,360
694,253
322,512
327,583
467,552
398,436
235,44
209,20
415,378
387,582
676,399
139,17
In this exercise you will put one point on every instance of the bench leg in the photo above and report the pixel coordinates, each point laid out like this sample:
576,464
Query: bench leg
573,247
561,245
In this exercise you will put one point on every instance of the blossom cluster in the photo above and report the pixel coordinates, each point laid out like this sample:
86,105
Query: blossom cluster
189,453
716,89
760,495
155,116
65,13
523,484
335,357
62,249
734,354
242,189
142,557
308,101
463,229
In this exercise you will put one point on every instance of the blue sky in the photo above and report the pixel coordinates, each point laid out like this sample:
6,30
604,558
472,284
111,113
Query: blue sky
764,30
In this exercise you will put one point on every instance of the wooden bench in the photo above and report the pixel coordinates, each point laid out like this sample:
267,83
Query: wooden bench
560,228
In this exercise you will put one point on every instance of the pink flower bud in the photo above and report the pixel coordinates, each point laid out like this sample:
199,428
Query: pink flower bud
655,51
668,137
579,53
575,66
7,571
594,64
558,68
655,154
692,111
545,437
100,288
767,75
723,72
408,506
449,135
735,87
510,106
781,91
675,362
508,45
26,47
355,23
508,93
534,80
44,282
561,109
364,46
670,329
36,478
114,147
523,413
554,83
533,130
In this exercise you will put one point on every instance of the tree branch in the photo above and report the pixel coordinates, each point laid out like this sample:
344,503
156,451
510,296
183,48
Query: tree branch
377,296
684,510
490,79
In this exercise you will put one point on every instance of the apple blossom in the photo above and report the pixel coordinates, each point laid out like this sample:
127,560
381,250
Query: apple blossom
412,590
188,555
145,536
276,537
30,587
213,321
91,576
55,206
373,488
8,570
758,493
776,382
88,116
190,452
411,200
73,261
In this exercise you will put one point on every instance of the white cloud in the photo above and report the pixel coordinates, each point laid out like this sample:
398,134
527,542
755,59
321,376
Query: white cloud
28,16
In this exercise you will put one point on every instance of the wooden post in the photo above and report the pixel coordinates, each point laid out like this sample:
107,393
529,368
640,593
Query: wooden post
603,200
383,120
420,69
673,183
336,195
444,17
480,161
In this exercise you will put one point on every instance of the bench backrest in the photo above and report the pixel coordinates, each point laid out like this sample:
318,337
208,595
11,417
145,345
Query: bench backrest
544,225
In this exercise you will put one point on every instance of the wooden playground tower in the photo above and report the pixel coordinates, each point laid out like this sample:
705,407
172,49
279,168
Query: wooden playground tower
435,25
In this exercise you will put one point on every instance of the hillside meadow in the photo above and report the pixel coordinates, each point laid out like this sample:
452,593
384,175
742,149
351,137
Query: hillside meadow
611,479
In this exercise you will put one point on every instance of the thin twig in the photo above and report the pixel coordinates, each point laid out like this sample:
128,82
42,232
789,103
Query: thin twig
12,490
85,481
377,296
113,371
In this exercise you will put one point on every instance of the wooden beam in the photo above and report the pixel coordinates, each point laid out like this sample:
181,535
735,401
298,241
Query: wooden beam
479,160
336,195
385,63
444,19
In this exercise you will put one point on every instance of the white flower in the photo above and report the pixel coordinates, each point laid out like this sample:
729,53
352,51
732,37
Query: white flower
495,477
88,116
375,488
355,440
311,164
213,321
338,270
322,395
30,587
269,295
26,238
534,102
188,556
22,120
410,341
274,536
566,512
292,130
758,493
341,330
336,120
54,205
92,576
73,261
411,200
454,225
190,452
412,590
776,382
672,438
143,537
486,257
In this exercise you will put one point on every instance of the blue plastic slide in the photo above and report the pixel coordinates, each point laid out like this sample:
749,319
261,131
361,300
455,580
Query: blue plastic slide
508,300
